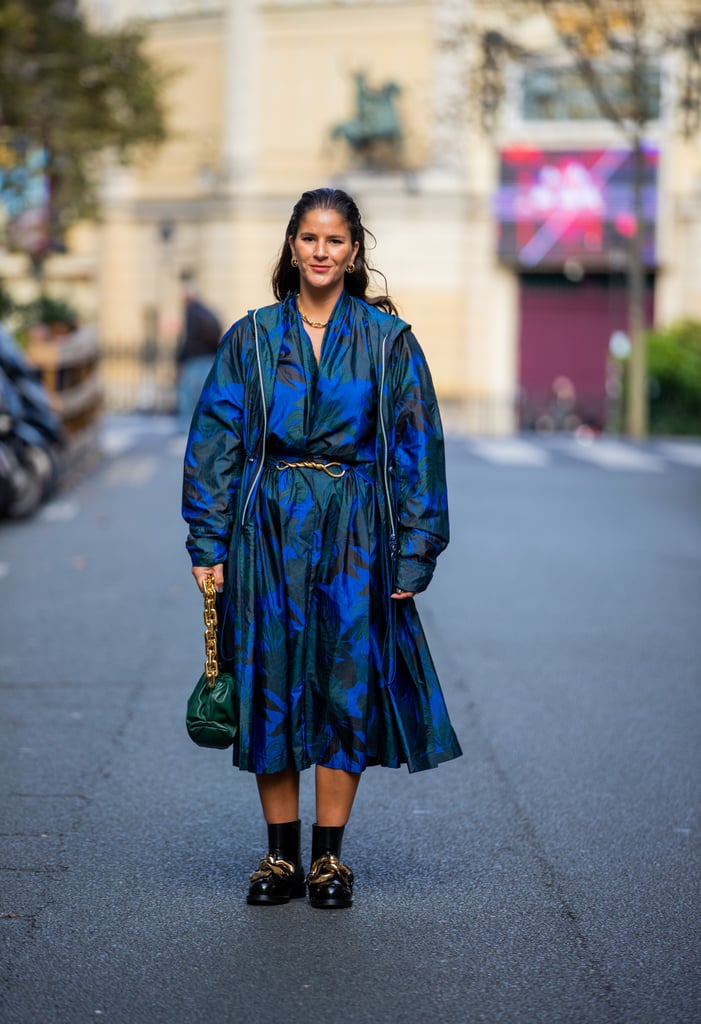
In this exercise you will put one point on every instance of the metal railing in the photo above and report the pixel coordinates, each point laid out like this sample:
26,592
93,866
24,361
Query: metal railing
138,378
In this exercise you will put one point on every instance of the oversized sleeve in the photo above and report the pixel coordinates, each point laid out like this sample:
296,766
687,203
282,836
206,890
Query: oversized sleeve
419,467
214,456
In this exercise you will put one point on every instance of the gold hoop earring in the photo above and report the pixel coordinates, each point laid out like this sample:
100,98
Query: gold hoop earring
350,269
294,262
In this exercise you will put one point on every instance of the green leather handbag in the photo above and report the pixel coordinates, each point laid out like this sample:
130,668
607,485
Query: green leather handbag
212,719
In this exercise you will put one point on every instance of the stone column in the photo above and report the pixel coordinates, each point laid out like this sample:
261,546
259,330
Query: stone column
241,85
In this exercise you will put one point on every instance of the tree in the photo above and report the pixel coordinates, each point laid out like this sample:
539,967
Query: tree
618,48
72,94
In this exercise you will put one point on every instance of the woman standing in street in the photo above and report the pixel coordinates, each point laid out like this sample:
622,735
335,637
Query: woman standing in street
315,496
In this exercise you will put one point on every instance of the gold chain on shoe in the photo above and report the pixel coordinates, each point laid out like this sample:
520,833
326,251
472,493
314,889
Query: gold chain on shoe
329,869
272,865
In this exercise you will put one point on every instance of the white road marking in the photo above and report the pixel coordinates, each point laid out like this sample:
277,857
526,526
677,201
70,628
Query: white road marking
155,424
605,453
686,452
614,455
116,442
59,511
131,471
510,452
120,433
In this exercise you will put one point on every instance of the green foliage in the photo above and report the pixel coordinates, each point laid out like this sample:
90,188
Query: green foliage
674,369
50,311
77,93
59,315
6,303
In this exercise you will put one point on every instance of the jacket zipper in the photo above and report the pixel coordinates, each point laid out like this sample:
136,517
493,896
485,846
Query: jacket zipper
265,420
385,441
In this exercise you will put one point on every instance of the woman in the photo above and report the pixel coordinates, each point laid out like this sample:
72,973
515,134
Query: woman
315,496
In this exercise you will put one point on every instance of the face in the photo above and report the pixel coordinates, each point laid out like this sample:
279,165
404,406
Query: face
323,249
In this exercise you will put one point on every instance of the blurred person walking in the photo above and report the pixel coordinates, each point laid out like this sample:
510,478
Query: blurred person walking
315,493
199,341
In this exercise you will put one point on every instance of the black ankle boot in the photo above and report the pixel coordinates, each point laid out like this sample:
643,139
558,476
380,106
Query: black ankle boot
280,875
330,882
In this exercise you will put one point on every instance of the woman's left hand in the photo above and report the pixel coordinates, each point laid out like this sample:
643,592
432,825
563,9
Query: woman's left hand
401,595
216,571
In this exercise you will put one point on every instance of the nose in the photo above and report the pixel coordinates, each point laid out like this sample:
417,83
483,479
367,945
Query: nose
320,249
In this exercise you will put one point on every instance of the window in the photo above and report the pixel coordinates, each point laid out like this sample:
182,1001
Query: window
559,93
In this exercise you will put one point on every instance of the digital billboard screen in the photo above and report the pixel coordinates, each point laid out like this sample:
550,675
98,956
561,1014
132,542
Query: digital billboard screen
555,206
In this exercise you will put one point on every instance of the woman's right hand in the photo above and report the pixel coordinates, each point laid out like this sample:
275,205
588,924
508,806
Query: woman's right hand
201,571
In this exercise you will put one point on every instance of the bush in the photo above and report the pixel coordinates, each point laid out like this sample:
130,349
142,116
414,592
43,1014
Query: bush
674,370
49,311
6,303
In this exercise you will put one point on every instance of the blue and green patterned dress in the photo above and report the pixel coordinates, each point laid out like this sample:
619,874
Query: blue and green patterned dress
329,670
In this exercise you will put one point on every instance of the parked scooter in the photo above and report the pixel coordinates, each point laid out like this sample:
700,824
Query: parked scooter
31,434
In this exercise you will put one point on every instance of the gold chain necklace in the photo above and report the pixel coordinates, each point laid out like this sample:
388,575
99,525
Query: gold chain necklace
312,323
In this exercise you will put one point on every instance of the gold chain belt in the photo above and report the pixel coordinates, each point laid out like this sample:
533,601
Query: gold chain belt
332,469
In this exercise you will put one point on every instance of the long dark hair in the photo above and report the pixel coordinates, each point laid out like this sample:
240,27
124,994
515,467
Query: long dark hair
286,277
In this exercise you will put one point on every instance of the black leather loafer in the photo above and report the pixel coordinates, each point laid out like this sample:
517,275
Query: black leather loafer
330,884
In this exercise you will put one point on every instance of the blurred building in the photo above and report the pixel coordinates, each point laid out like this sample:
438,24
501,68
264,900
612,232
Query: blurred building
505,252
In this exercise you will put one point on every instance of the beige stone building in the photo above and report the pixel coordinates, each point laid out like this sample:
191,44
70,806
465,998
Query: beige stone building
260,86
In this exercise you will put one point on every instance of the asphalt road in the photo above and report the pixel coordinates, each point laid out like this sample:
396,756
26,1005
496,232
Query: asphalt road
549,875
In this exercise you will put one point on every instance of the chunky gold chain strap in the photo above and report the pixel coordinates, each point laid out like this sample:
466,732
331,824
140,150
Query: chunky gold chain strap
327,869
211,667
276,866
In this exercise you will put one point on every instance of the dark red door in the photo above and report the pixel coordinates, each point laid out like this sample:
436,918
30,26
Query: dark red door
565,329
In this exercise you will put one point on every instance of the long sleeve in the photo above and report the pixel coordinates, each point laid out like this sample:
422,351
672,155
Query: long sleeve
214,456
419,466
